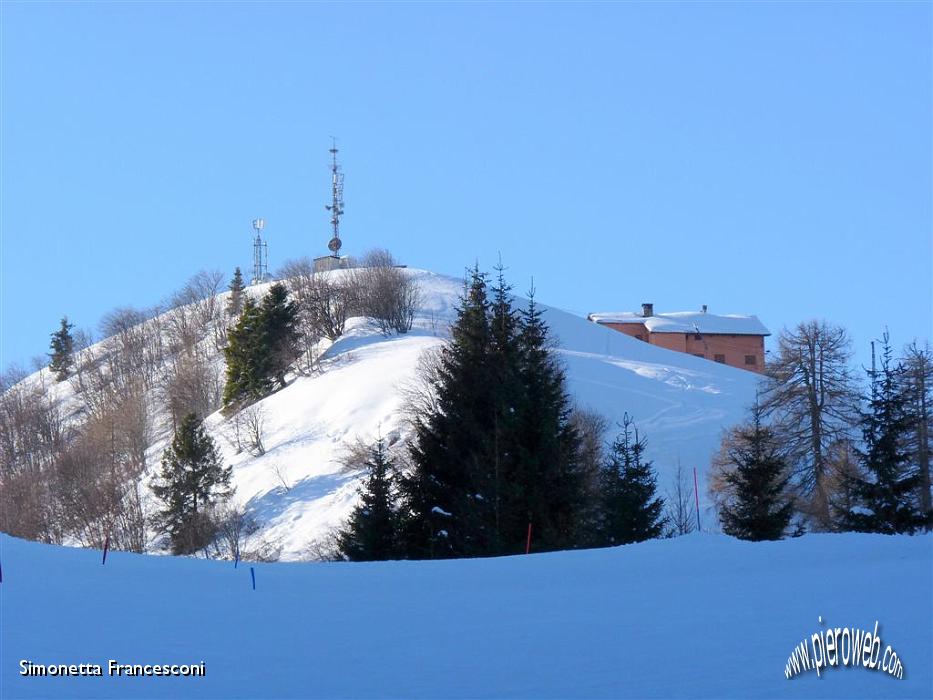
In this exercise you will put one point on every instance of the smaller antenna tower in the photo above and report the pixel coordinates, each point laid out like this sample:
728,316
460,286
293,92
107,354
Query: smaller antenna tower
260,254
336,206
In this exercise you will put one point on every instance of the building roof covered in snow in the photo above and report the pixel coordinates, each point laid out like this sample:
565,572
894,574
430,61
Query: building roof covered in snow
686,322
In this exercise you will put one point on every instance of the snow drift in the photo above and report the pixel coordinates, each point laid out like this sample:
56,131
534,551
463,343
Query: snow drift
697,616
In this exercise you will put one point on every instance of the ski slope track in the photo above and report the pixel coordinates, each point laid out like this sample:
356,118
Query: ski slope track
701,616
679,402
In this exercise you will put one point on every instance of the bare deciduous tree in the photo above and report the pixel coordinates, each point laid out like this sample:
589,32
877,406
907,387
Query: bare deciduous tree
192,384
32,433
281,473
96,480
239,536
234,431
127,336
330,302
324,302
680,507
811,400
842,465
419,396
254,424
299,278
386,293
918,379
325,547
202,289
591,427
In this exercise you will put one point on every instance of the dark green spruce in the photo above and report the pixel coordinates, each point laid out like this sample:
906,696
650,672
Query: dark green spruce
61,359
447,495
498,452
632,511
235,300
261,346
885,491
759,507
372,531
193,480
547,484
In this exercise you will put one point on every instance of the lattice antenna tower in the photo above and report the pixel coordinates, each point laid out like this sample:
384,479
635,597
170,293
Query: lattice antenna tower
260,254
336,206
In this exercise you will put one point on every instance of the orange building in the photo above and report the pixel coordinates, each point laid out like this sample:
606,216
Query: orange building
738,341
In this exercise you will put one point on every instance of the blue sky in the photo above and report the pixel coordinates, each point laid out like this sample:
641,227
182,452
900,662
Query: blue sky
767,158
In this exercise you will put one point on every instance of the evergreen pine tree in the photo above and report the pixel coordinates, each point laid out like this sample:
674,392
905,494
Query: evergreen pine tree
447,493
235,301
758,507
504,366
279,333
885,491
497,451
261,346
546,486
62,346
632,510
372,531
245,379
192,481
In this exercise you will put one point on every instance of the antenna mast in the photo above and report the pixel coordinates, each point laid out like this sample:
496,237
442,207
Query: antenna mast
260,254
336,206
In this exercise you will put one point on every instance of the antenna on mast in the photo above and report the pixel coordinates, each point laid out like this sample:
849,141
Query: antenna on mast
260,254
336,206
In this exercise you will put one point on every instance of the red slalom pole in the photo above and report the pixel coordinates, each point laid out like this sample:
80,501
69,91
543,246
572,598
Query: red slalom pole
528,543
696,495
106,547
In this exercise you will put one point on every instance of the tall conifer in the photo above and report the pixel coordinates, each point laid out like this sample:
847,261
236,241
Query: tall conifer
759,506
447,494
261,346
192,480
885,491
547,485
235,301
61,358
245,377
373,529
632,509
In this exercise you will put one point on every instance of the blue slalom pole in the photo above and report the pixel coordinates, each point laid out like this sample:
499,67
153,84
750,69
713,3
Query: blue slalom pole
252,572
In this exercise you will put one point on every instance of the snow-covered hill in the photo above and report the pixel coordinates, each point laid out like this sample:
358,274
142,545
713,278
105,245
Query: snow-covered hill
700,616
681,403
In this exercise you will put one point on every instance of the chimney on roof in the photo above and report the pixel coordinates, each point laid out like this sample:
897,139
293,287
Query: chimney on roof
704,308
647,310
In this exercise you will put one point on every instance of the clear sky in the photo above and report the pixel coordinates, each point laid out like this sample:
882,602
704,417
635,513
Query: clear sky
767,158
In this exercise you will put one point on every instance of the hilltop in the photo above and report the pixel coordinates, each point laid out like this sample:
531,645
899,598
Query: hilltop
298,490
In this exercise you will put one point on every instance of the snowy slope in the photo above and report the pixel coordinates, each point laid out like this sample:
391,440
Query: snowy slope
680,402
698,616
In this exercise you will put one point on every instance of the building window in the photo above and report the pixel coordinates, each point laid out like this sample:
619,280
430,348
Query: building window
751,360
721,359
698,354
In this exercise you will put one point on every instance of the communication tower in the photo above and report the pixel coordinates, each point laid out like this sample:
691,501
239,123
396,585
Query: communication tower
260,254
336,206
